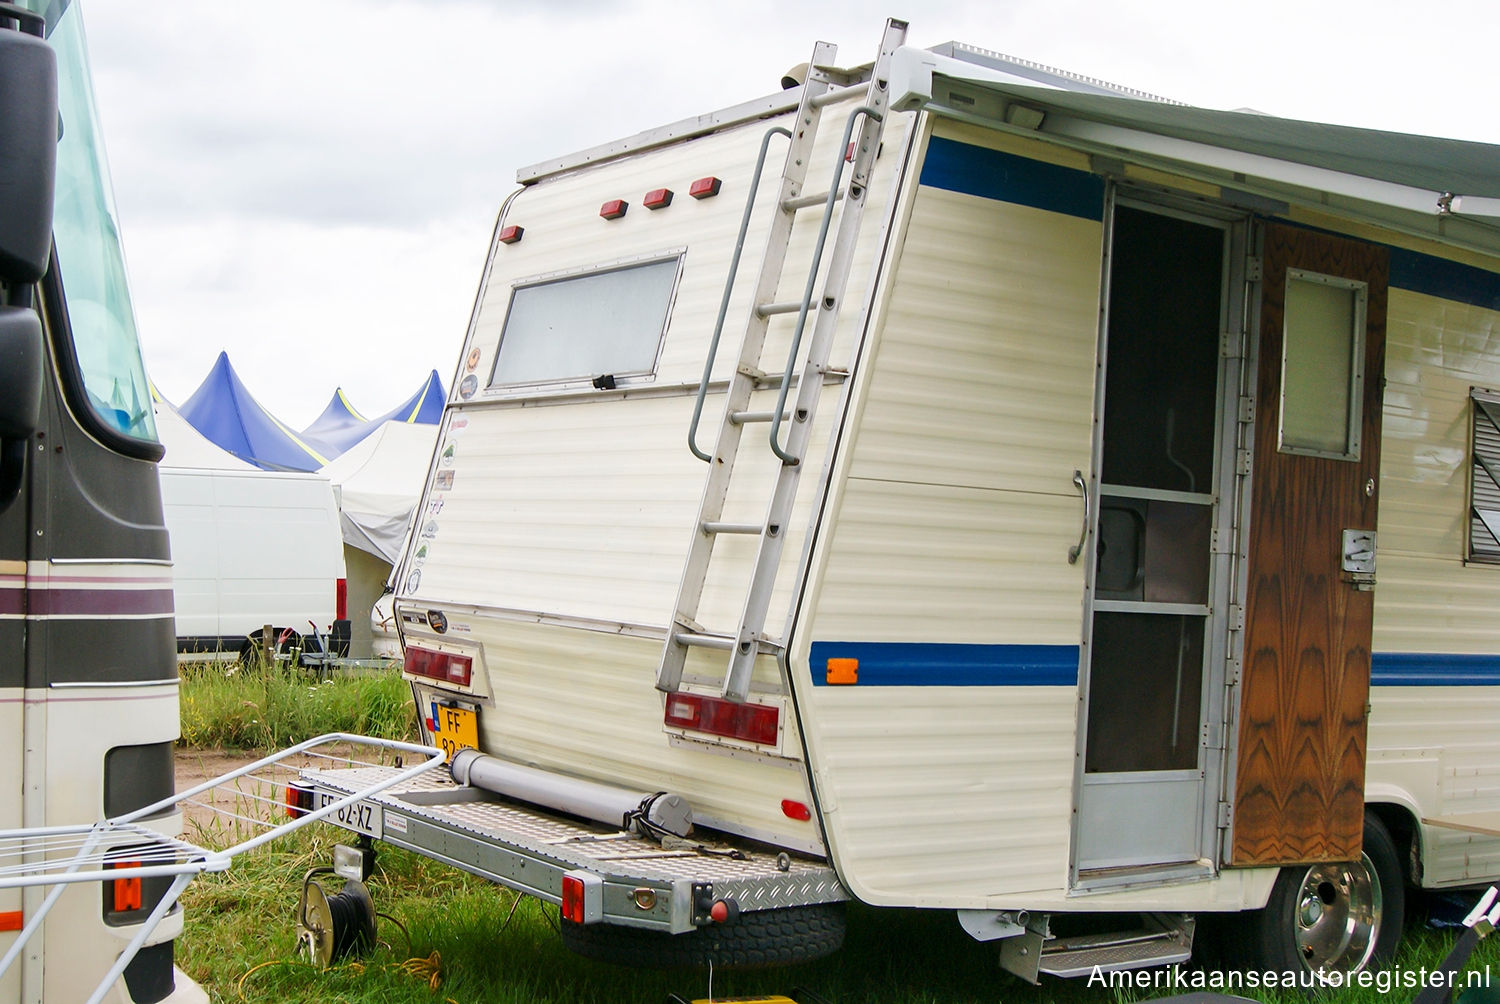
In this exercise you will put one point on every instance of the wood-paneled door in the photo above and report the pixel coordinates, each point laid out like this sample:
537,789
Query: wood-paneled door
1299,780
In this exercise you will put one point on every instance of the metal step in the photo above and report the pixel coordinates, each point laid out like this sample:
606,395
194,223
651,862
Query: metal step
1118,950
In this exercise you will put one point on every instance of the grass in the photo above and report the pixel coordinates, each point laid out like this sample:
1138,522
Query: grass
449,937
269,706
448,941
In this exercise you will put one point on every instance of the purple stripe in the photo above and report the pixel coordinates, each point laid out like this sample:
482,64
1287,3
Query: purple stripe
12,601
99,602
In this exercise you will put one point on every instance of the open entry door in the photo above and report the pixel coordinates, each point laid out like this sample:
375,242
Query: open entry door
1299,785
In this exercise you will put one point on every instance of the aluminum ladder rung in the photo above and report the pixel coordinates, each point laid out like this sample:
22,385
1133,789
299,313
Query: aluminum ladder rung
714,526
742,417
808,201
834,95
704,640
784,307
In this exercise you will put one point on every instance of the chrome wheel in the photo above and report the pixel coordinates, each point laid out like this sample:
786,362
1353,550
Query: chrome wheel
1338,913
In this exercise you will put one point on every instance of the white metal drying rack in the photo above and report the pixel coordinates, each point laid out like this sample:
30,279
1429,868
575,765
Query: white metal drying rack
125,847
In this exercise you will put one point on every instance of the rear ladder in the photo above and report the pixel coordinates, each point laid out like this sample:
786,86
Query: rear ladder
863,129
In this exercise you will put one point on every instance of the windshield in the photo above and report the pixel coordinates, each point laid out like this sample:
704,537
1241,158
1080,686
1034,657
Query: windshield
88,241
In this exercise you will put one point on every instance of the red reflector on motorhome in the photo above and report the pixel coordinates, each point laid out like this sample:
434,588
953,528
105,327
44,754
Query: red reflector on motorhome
614,209
657,198
795,810
126,893
444,666
11,920
572,898
341,600
512,234
704,188
754,723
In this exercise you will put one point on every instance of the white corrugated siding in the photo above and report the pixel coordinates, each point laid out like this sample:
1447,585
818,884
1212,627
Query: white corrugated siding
582,508
954,517
1428,600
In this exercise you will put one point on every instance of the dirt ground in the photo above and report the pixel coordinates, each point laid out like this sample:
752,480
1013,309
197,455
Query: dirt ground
239,808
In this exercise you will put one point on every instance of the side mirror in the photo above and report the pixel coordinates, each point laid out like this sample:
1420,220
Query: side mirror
28,148
20,372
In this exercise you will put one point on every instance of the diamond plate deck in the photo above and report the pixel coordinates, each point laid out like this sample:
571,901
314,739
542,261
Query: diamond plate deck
501,839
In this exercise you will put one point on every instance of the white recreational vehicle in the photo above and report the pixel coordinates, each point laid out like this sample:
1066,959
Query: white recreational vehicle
952,483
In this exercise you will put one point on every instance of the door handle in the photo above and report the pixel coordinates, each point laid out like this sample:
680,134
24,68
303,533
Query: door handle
1083,531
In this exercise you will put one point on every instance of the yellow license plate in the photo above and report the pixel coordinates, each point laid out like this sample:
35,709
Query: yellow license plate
453,728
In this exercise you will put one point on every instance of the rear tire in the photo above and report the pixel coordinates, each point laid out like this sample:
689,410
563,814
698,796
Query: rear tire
764,938
1326,917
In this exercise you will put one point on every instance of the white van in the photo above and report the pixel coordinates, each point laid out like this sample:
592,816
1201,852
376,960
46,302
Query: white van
251,549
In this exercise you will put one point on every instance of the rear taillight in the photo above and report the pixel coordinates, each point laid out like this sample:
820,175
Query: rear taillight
341,600
125,894
582,897
299,801
572,899
754,723
446,667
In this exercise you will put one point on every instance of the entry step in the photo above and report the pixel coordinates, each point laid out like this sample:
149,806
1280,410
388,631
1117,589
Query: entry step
1163,943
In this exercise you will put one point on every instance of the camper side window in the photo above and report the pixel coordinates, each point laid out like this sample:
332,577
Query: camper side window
605,322
1484,478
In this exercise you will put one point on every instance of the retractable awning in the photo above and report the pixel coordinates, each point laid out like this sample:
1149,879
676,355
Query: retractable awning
1447,181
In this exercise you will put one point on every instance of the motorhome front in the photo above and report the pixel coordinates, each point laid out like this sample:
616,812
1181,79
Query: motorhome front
1098,516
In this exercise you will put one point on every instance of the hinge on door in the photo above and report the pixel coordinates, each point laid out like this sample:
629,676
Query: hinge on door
1229,345
1226,815
1242,462
1247,411
1234,619
1212,735
1253,268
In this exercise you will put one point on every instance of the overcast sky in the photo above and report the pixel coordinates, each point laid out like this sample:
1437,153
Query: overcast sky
312,186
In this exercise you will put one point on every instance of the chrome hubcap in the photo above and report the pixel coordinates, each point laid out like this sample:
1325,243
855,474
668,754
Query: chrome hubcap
1338,916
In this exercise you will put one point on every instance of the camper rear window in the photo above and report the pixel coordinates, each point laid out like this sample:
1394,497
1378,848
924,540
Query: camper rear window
599,323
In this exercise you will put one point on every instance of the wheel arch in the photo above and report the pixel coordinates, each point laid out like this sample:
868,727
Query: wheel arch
1402,820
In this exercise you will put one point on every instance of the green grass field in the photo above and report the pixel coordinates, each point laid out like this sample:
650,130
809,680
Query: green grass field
265,706
447,939
453,938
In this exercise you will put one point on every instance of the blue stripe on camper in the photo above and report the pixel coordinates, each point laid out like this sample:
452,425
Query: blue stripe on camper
919,664
1424,669
990,174
922,664
1444,279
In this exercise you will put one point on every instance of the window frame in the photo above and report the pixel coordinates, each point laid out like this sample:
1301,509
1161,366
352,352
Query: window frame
1354,416
568,384
1479,397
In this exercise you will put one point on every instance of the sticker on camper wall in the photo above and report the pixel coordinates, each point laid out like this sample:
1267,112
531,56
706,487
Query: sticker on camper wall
469,385
422,553
435,507
448,455
430,529
457,426
443,481
413,581
472,363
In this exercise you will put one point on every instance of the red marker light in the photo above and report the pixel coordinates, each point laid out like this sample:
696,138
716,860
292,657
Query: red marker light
341,599
572,899
705,188
795,810
657,198
511,234
614,209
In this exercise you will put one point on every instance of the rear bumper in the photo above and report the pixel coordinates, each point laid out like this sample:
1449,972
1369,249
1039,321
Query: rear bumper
644,884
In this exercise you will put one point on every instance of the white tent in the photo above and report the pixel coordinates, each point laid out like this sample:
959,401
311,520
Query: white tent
378,482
